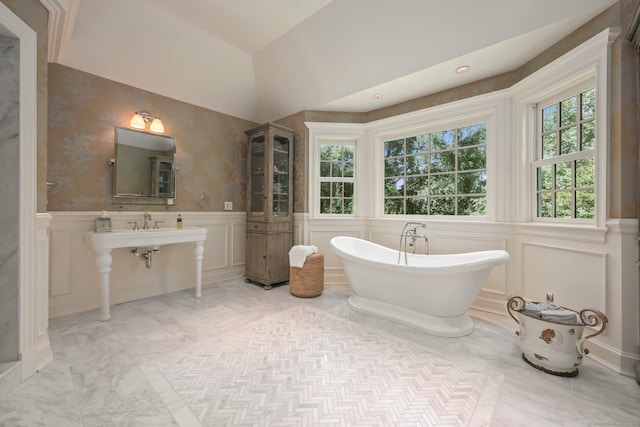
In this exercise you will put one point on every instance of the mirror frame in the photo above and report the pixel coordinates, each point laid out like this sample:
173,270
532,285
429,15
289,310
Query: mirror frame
143,140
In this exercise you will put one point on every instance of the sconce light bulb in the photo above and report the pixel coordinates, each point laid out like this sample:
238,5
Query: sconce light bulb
157,126
137,121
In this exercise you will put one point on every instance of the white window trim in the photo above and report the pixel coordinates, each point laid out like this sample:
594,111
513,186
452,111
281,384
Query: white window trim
369,138
560,158
489,109
337,133
589,61
511,139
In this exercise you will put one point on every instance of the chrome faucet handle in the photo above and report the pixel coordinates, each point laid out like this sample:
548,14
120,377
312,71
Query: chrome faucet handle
135,225
155,226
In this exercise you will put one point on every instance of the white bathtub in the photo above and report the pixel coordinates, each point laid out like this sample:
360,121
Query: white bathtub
432,292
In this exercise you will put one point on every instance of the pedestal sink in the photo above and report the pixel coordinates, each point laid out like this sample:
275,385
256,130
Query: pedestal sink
103,243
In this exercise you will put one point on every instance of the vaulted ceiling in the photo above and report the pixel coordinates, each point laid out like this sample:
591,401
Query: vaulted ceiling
265,59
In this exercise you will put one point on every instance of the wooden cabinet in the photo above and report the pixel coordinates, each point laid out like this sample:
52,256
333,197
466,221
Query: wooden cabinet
269,204
161,176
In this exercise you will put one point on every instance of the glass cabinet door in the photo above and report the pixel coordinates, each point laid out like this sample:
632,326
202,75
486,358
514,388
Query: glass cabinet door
257,199
161,176
281,170
164,179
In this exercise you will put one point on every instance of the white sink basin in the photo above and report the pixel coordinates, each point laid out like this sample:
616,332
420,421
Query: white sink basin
150,237
148,230
103,243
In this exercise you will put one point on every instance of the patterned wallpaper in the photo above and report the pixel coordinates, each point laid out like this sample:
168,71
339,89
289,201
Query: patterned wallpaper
83,110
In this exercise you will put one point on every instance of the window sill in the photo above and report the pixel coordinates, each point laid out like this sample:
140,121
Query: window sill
575,232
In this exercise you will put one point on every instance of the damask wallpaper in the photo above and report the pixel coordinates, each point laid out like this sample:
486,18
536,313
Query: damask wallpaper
83,110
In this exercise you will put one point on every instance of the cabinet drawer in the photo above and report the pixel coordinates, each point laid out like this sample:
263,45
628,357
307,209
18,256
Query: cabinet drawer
283,227
257,226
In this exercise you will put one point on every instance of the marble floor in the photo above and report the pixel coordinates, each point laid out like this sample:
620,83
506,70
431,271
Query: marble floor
97,377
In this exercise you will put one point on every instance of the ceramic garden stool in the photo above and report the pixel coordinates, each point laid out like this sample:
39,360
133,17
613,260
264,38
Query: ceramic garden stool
553,347
308,281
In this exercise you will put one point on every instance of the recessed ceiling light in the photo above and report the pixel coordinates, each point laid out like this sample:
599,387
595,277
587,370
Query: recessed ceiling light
462,69
377,96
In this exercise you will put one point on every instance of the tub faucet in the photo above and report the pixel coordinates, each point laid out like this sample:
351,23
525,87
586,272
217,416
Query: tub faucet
410,231
147,218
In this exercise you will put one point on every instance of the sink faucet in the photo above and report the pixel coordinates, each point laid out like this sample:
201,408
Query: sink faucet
147,218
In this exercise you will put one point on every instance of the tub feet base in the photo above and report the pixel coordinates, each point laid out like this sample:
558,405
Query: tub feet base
439,326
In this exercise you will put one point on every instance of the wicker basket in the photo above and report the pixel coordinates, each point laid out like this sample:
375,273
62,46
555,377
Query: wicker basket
308,281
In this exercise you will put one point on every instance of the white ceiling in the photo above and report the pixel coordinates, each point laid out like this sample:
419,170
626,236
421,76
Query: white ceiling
262,60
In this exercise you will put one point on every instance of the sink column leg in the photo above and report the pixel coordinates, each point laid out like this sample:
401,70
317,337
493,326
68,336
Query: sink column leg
198,250
104,260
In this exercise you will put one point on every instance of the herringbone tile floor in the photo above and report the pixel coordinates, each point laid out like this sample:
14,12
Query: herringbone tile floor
244,356
303,367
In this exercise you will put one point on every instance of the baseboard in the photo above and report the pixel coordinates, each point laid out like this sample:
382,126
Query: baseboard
621,362
10,377
37,356
489,305
335,276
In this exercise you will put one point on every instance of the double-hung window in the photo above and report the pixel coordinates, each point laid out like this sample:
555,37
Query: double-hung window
437,173
564,167
337,177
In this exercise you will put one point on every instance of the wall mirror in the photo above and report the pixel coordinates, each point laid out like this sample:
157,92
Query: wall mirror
144,164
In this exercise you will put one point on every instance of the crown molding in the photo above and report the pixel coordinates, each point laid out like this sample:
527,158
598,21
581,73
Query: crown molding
633,33
62,14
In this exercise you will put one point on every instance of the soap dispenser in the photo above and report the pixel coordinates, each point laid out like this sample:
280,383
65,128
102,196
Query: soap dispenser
179,221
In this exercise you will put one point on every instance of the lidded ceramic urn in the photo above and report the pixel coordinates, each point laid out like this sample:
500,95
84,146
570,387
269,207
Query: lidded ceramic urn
554,345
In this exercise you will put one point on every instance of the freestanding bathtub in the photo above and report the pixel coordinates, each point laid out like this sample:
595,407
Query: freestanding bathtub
431,292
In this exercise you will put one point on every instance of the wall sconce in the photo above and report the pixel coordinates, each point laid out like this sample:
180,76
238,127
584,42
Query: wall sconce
141,118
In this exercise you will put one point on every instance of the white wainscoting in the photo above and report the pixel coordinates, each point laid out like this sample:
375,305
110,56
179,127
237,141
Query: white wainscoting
74,281
582,267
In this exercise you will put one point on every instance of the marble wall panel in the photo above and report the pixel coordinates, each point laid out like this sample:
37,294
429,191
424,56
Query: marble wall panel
36,16
10,196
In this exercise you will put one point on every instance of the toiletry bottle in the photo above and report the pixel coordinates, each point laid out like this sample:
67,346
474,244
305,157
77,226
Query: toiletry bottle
179,221
103,223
